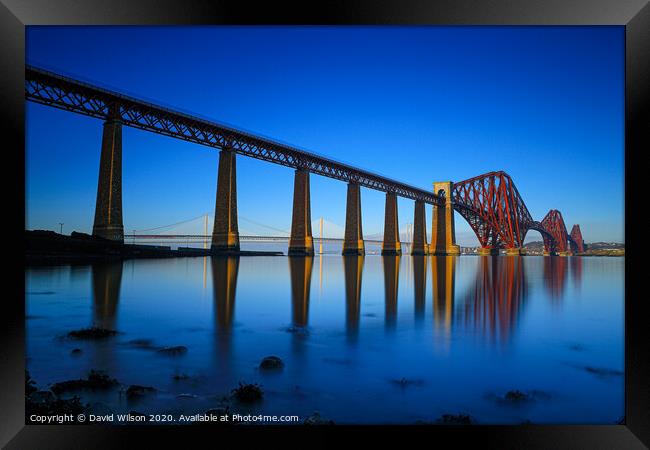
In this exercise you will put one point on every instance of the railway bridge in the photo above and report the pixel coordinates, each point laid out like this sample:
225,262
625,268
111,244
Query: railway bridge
490,202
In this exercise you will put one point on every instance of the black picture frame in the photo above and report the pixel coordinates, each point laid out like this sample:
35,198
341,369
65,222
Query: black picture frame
634,15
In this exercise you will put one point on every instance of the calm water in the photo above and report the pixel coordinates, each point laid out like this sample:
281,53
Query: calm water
364,340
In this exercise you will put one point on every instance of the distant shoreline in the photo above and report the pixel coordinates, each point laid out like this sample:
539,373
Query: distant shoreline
50,248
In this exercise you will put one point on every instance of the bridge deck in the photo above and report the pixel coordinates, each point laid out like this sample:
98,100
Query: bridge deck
62,92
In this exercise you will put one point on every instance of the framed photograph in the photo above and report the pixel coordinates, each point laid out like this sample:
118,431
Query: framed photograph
396,218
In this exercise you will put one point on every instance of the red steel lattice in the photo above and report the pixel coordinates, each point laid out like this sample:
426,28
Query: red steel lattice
575,238
554,224
494,209
492,206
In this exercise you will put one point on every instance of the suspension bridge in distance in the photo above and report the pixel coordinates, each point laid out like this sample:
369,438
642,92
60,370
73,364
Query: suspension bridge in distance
490,203
242,237
168,237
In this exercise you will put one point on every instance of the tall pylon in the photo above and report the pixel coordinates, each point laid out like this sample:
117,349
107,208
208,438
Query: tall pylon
205,232
320,249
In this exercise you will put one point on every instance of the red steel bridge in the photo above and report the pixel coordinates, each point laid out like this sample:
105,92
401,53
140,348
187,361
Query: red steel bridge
490,202
493,207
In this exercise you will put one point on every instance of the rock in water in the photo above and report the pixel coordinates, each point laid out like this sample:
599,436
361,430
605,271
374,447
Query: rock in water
248,393
92,333
516,396
135,391
271,363
173,351
96,380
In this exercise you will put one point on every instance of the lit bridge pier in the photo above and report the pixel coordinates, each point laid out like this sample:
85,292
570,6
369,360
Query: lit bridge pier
353,243
419,241
225,234
443,232
391,244
108,207
301,242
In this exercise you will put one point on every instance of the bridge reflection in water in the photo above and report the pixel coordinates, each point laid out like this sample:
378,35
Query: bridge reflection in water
419,285
225,271
555,277
353,268
391,286
106,290
493,304
576,271
300,269
443,274
444,317
107,282
224,278
488,306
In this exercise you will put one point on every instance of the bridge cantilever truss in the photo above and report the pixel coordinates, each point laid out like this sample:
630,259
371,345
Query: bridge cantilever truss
562,240
575,239
495,210
65,93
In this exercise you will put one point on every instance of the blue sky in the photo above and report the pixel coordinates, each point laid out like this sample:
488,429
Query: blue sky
418,104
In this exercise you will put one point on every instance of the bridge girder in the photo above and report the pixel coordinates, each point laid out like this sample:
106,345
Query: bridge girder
65,93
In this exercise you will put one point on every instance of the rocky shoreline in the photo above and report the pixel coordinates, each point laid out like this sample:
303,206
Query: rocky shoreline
44,247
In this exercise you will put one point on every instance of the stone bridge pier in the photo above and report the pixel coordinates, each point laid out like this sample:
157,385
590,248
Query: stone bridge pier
108,207
301,241
225,234
391,244
419,245
353,241
443,232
